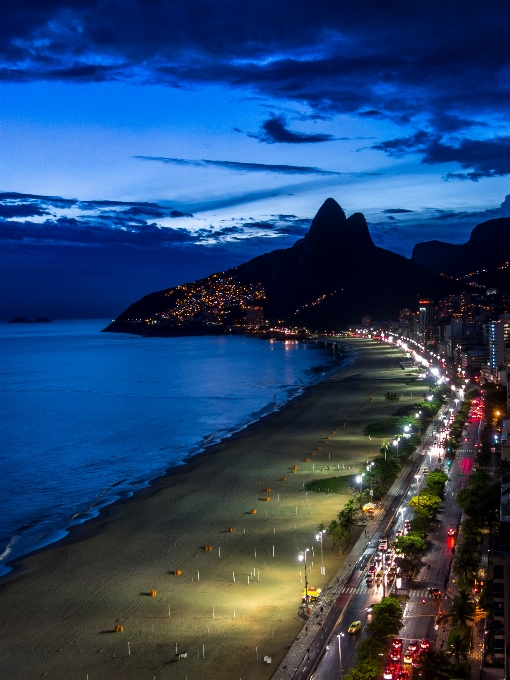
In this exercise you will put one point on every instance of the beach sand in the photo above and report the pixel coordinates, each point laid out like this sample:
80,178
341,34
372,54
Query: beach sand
59,608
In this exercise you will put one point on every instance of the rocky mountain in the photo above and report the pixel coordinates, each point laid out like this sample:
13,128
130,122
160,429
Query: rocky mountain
326,280
488,248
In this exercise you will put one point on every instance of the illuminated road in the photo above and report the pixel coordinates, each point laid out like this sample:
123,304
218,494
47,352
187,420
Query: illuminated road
419,617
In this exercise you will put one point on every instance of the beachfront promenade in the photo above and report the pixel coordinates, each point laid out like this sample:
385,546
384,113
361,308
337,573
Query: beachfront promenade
59,610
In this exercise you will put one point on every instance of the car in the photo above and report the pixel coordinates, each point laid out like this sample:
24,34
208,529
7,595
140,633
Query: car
372,569
379,575
354,627
403,675
425,471
395,655
412,646
369,580
397,643
370,608
399,533
451,532
425,644
388,673
416,659
408,657
434,592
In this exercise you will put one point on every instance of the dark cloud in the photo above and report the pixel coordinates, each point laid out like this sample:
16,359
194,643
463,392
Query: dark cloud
419,142
275,131
85,232
244,167
366,58
444,63
395,211
444,122
481,157
8,210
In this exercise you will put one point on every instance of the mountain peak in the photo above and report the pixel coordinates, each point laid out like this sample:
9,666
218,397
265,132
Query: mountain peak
328,221
330,225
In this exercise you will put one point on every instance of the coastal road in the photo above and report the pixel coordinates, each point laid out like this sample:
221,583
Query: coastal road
419,616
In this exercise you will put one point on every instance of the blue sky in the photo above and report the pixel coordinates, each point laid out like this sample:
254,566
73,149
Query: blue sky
228,126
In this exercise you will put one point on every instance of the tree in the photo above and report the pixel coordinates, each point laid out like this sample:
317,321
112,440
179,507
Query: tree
425,504
369,664
361,498
412,546
466,564
435,482
392,398
458,648
336,532
385,445
347,516
462,611
434,666
386,618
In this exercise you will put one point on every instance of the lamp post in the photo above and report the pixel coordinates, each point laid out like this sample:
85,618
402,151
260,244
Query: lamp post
302,558
320,537
359,479
395,443
340,635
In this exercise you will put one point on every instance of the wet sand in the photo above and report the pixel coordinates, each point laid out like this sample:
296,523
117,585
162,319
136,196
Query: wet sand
58,610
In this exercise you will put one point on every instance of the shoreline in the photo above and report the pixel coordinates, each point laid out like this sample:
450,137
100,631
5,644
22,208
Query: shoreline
63,533
63,600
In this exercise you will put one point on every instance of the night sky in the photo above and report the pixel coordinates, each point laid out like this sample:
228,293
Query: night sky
145,144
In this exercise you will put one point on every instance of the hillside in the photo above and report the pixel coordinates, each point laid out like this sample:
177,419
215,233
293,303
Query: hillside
487,248
326,280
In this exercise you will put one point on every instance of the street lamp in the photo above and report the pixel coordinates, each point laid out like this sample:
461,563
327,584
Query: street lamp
395,443
340,635
302,558
320,537
359,479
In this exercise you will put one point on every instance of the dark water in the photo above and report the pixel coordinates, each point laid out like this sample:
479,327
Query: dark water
89,417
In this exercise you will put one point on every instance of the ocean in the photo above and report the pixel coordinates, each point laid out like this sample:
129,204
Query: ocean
88,417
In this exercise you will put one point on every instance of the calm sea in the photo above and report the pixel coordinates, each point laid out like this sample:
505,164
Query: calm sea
89,417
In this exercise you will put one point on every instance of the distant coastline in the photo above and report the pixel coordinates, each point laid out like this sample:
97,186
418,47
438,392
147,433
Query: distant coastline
21,319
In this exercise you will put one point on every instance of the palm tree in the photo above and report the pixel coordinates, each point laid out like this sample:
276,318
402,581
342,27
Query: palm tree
434,666
347,516
392,398
385,445
336,532
458,648
462,611
465,564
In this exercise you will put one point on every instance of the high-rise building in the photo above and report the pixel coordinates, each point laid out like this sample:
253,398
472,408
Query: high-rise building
499,337
426,315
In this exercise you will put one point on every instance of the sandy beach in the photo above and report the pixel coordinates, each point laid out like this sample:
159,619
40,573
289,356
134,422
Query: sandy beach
230,606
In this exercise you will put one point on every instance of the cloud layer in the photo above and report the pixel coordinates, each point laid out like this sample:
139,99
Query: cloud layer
243,167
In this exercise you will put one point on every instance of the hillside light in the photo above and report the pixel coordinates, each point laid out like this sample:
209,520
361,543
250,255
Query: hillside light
407,428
